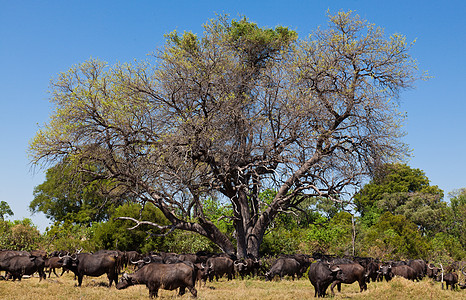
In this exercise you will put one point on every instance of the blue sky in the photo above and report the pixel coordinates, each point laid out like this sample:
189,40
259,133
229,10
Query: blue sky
39,39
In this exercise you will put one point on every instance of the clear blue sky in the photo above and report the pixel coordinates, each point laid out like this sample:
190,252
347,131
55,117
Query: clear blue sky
39,39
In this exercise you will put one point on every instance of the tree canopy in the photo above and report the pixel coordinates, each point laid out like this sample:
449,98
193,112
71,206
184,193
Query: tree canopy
5,210
232,113
402,190
69,195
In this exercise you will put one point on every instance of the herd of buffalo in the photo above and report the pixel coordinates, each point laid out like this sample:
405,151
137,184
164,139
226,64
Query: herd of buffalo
172,271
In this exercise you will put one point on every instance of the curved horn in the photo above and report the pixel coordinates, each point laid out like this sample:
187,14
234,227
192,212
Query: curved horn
60,257
462,271
147,260
236,263
336,269
430,267
75,256
136,262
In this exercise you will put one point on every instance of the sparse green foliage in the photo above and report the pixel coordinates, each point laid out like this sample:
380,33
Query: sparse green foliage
234,112
5,210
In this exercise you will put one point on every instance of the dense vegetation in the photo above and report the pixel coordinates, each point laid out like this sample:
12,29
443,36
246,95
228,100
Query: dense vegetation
420,225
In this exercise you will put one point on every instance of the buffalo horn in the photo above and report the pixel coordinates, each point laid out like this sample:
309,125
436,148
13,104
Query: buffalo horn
462,271
136,262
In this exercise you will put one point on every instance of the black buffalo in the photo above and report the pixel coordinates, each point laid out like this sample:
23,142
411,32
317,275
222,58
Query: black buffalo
350,273
322,275
247,266
19,265
165,276
371,271
92,265
284,266
450,279
53,263
432,271
419,266
388,272
219,266
189,257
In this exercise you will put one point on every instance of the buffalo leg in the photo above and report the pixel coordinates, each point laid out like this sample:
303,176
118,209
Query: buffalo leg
332,286
193,291
182,291
80,279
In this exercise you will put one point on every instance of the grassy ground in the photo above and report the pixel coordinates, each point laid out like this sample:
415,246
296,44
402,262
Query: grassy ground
96,288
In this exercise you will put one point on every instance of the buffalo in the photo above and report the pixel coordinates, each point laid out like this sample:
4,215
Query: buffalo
165,276
372,271
388,272
350,273
451,279
53,263
247,266
92,265
322,275
219,266
419,266
284,266
432,271
19,265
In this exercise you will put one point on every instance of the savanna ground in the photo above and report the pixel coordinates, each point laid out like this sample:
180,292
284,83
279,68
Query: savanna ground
96,288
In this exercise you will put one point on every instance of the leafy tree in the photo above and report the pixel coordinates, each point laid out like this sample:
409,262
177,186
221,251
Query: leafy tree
19,235
395,237
70,237
114,234
456,217
400,189
67,195
5,210
232,113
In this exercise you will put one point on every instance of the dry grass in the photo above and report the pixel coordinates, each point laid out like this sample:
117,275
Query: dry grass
96,288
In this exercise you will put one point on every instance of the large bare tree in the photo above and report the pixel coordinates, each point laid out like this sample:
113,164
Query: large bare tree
236,111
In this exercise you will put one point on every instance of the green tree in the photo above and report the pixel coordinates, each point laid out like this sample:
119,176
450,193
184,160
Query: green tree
114,233
67,195
395,237
456,217
232,113
5,210
20,235
400,189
